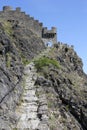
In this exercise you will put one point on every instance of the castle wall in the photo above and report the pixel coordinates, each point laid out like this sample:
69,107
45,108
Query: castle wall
26,21
29,22
49,35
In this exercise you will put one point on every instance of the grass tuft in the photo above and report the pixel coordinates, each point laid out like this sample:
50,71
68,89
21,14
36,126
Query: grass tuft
45,61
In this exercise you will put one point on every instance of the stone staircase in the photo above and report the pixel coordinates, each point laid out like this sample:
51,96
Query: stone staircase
33,110
27,111
42,109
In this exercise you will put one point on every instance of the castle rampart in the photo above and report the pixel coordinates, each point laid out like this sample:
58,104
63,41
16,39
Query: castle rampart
18,9
49,35
9,14
7,8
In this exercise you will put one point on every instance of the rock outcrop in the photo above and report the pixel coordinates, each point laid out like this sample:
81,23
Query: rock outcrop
40,88
17,47
32,110
65,88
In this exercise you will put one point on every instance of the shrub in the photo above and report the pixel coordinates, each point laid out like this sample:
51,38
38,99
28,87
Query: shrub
45,61
8,28
25,61
8,60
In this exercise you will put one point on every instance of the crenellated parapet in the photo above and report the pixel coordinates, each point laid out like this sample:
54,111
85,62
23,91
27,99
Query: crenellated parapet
11,15
49,35
7,8
64,45
18,9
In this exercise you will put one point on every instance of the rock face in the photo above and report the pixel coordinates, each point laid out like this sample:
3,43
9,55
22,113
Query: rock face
32,111
52,96
17,47
65,89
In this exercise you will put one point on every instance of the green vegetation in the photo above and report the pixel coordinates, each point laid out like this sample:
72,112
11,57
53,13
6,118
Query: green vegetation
52,121
24,60
14,128
67,108
8,60
8,28
52,127
50,104
45,61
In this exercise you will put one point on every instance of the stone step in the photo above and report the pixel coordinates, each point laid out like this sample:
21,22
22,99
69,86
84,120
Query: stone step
29,86
30,99
42,102
31,124
43,126
29,78
43,107
29,83
22,125
23,117
28,72
45,118
34,123
29,93
32,115
28,109
30,103
42,98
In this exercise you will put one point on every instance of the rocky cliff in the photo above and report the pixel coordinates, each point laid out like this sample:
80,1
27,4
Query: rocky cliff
40,88
65,86
17,47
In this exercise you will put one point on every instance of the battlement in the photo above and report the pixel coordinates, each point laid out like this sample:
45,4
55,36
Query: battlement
7,8
17,16
41,24
49,33
61,44
52,30
18,9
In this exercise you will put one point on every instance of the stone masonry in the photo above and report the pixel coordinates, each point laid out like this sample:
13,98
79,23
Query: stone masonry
32,112
22,19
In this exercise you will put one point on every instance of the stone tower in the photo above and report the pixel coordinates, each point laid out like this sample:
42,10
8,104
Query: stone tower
49,36
7,8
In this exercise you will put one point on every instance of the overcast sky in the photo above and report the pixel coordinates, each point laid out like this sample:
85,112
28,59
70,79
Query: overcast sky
69,16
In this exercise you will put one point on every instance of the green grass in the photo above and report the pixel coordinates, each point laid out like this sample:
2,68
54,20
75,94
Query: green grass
52,121
14,128
8,62
45,61
8,28
25,61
